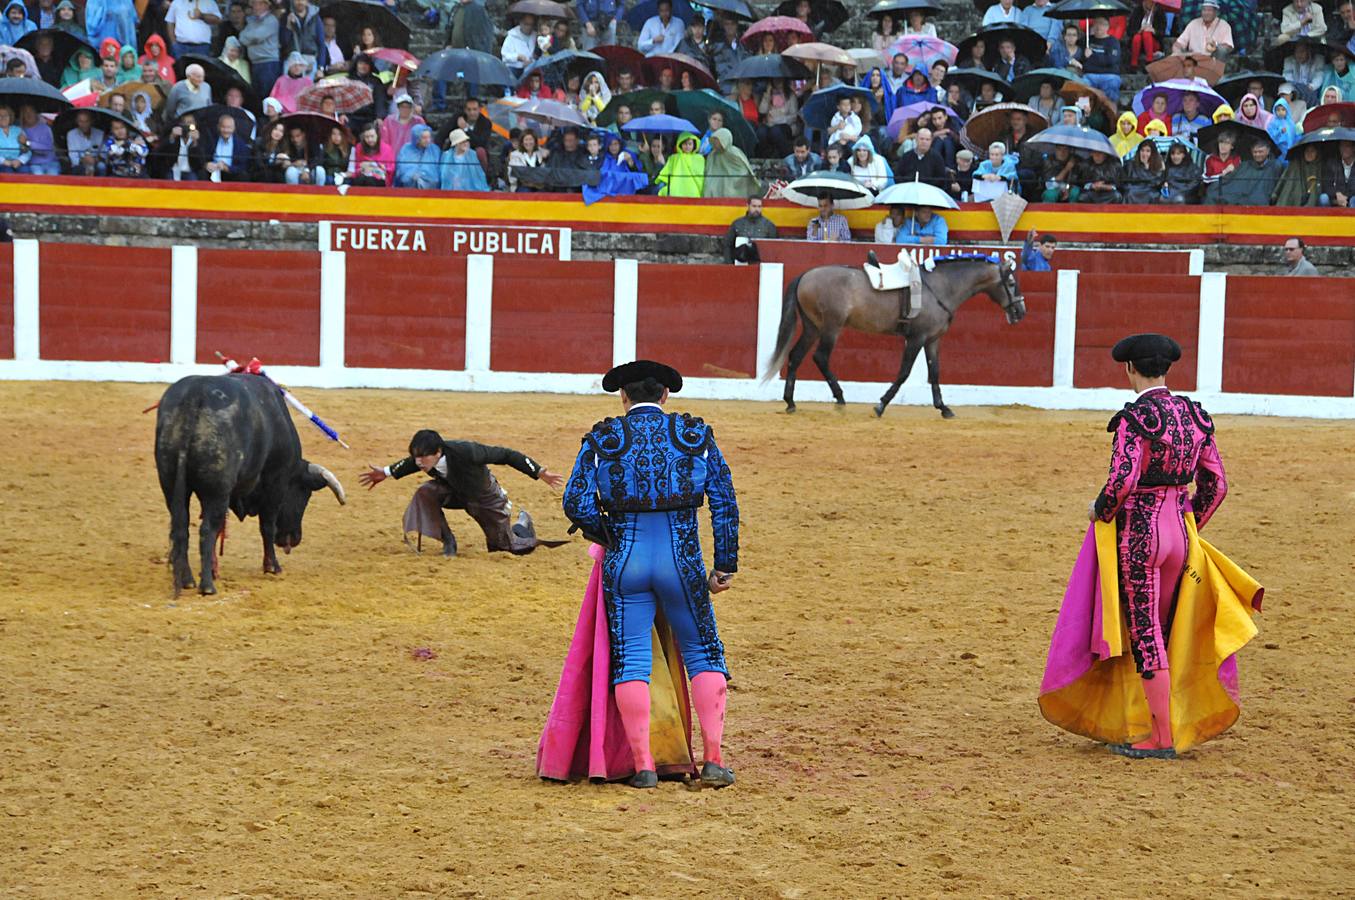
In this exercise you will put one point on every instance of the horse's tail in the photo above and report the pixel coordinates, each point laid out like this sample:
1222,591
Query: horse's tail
785,334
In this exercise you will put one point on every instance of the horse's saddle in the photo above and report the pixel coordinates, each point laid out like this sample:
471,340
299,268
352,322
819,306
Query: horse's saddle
902,275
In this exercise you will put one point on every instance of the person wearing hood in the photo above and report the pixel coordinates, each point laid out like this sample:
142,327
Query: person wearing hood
1340,75
262,37
191,93
917,89
363,69
683,175
1126,136
883,99
461,169
189,24
129,69
418,163
1250,112
111,19
621,175
68,20
1301,182
728,173
868,168
233,55
155,52
1282,128
14,23
1223,113
1253,182
288,88
1183,175
595,96
1330,95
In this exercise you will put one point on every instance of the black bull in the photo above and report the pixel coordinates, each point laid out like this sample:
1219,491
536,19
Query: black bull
230,440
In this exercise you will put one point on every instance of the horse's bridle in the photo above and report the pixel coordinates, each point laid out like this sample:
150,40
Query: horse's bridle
1007,276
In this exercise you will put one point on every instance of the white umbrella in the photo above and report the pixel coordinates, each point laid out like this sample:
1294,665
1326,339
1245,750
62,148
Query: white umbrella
915,193
842,189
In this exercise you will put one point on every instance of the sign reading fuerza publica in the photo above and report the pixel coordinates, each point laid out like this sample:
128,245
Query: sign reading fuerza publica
445,240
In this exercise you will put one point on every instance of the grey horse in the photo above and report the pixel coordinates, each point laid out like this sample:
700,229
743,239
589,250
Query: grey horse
827,299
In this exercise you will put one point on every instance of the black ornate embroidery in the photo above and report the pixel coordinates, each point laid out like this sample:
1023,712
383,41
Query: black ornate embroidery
610,438
692,569
689,433
613,564
1137,544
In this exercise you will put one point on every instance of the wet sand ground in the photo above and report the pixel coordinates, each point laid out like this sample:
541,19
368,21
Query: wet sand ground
899,579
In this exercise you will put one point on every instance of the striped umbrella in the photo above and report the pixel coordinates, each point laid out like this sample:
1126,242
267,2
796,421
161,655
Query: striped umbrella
348,95
842,189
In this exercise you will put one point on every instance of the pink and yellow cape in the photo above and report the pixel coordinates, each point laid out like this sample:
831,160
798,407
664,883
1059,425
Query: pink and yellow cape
1090,684
583,737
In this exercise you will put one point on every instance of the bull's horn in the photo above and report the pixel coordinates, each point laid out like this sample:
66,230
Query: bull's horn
330,479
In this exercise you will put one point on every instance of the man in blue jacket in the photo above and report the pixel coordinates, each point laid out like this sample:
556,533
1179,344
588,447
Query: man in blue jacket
599,18
635,489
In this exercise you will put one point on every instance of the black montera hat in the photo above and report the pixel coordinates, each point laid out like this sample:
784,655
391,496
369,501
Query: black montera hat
1146,346
639,370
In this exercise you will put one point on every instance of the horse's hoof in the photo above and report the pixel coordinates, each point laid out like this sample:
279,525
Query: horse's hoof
947,413
790,408
840,406
207,590
879,410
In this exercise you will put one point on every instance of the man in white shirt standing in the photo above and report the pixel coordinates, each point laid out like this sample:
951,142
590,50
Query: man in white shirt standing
190,23
662,33
519,45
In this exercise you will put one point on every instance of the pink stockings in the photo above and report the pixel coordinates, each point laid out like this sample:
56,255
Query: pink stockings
1159,692
708,695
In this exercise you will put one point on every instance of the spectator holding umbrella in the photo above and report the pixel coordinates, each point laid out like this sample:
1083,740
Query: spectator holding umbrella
1099,58
1009,66
661,33
1222,161
83,144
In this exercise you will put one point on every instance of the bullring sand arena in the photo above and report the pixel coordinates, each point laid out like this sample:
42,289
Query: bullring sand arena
365,724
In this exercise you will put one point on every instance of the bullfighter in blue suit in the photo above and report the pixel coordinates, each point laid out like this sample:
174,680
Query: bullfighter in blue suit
636,488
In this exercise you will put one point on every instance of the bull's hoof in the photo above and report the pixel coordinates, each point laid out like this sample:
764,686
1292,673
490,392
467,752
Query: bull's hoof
841,405
947,412
879,410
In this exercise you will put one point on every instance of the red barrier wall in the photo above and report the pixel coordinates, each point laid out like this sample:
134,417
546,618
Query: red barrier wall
1112,306
104,303
409,317
701,319
552,316
6,301
259,303
1289,336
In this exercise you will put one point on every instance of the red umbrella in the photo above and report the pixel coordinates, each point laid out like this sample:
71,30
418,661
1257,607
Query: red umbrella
1339,114
348,95
679,63
620,59
396,57
787,31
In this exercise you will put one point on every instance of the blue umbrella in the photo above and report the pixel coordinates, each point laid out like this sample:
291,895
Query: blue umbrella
822,104
661,125
638,15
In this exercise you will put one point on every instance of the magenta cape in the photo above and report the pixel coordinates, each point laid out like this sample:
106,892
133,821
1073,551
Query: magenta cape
1090,685
583,737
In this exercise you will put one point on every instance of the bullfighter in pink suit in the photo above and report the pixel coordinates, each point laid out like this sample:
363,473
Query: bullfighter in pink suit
1162,443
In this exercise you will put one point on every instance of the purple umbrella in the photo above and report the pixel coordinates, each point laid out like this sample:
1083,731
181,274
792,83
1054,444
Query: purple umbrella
1174,89
905,114
922,50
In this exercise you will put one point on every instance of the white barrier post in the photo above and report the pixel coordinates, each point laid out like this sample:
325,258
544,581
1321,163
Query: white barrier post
26,320
1065,327
769,293
625,309
1209,359
479,311
183,305
333,300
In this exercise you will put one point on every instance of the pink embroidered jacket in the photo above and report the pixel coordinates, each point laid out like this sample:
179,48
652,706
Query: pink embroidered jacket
1162,440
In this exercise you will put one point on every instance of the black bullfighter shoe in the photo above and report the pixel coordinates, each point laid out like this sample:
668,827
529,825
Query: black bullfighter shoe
716,776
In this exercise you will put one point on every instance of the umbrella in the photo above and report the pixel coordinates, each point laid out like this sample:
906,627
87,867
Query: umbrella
982,5
836,186
661,125
696,106
1322,116
1087,9
904,117
64,44
154,92
901,8
787,30
32,91
467,65
351,16
1028,85
502,114
771,65
1324,136
819,53
1008,209
915,193
679,63
736,8
1174,91
828,14
542,9
640,13
65,121
1234,86
552,112
866,58
1163,144
316,126
971,79
30,64
620,59
1072,90
396,57
639,102
1174,66
923,50
1029,42
1277,54
1074,137
1243,137
348,95
207,118
819,108
220,76
986,125
555,68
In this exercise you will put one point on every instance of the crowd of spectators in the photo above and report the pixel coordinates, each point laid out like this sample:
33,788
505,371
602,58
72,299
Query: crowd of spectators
178,128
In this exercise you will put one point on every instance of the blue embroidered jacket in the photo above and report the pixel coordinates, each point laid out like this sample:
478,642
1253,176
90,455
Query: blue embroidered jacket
653,461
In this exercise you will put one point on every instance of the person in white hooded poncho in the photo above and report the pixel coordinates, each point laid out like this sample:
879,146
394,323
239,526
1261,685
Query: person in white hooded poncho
868,168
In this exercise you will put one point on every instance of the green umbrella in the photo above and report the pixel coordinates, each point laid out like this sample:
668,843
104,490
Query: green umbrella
696,106
638,101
